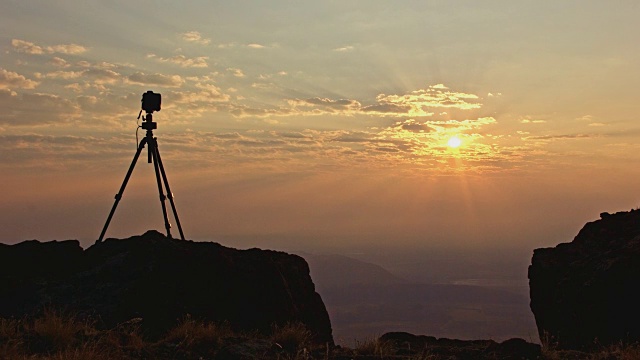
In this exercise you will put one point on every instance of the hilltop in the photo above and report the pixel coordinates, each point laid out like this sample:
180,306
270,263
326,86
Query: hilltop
161,280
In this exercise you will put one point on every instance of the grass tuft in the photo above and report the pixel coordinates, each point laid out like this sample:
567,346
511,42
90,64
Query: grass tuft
55,331
193,337
376,348
293,338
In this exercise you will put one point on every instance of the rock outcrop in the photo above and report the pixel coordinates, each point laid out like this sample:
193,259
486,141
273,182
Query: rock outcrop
420,346
161,280
587,293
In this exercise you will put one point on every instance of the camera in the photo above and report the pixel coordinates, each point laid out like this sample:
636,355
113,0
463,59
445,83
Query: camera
151,101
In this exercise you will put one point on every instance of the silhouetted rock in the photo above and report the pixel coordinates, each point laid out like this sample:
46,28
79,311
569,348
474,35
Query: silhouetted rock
429,346
161,280
587,292
513,349
36,260
26,266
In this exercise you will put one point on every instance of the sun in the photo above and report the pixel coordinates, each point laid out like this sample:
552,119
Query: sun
454,142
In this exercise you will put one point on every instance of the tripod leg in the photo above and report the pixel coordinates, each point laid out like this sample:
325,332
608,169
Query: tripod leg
124,185
153,148
169,193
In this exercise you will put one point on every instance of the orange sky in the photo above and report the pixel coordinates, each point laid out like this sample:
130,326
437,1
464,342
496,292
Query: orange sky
322,124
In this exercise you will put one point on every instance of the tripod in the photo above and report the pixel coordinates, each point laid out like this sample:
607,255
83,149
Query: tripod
153,156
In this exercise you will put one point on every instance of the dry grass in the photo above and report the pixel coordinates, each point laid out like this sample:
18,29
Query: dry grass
124,341
617,352
56,336
194,338
58,332
622,352
376,348
294,339
11,341
85,352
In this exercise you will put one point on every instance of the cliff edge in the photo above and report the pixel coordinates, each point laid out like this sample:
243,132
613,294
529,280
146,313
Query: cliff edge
586,293
161,280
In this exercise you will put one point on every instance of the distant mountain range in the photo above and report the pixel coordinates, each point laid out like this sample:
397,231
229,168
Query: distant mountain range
336,272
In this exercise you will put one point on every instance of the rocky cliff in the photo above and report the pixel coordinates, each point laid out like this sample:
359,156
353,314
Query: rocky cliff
161,280
587,292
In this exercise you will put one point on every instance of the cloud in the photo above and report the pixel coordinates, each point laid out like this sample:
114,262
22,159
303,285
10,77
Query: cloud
436,96
560,137
226,46
207,93
264,86
252,147
108,107
529,121
342,146
242,111
100,65
585,118
354,137
388,109
462,125
204,78
414,126
414,104
63,75
35,109
27,47
344,48
12,80
59,62
233,135
256,46
292,135
73,49
61,152
98,76
183,61
74,87
155,79
212,92
341,105
195,37
236,72
103,76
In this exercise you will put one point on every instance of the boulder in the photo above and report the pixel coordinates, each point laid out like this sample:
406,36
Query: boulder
161,280
587,293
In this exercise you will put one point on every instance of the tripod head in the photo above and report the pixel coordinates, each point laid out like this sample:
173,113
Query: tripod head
150,103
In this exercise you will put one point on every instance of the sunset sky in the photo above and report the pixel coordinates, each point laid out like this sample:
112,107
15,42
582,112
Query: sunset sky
322,124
